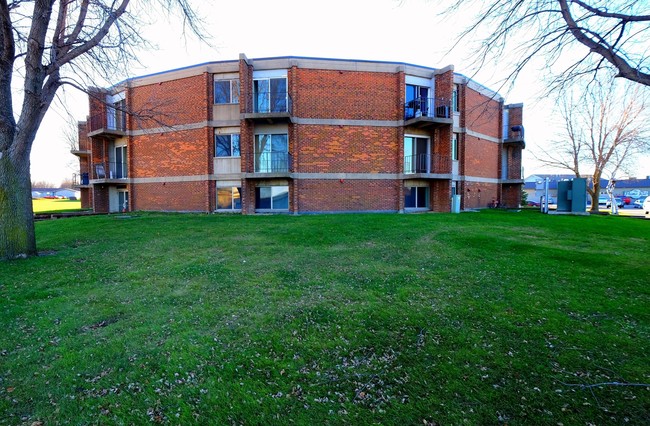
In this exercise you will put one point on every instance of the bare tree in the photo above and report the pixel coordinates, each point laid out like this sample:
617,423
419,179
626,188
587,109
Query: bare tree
574,38
605,126
49,44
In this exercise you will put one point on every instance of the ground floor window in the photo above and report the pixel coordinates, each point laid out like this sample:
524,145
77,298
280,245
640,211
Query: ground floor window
229,198
272,198
416,197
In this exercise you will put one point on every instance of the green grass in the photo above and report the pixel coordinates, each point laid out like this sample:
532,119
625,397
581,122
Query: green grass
479,318
43,205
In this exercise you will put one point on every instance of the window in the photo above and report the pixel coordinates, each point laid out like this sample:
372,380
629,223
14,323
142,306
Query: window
455,103
454,147
416,197
270,95
229,198
226,91
272,198
271,153
226,146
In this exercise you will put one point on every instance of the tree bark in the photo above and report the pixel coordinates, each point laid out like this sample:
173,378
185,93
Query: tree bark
17,237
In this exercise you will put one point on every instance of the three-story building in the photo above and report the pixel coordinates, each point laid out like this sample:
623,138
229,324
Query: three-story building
300,135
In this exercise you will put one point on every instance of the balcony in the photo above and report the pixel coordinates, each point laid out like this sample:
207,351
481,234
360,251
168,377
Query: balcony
515,136
116,172
80,151
271,164
427,112
427,165
272,107
80,180
111,124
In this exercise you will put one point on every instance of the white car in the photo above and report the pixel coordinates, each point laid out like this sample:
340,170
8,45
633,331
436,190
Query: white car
603,202
638,203
646,207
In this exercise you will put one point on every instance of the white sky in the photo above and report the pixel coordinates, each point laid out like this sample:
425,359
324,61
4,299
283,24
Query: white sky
408,31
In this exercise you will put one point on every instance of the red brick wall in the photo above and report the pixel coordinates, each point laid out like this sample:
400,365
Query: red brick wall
440,193
99,155
442,147
100,198
86,198
444,84
82,136
182,153
481,157
170,196
352,149
511,196
349,195
174,102
96,103
246,86
247,143
479,194
514,161
482,114
515,117
351,95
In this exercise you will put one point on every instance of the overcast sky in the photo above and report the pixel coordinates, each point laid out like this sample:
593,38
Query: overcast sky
410,31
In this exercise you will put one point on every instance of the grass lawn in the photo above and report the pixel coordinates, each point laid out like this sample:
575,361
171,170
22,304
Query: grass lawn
479,318
43,205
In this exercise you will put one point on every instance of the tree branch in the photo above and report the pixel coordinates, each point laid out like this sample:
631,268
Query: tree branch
624,68
605,14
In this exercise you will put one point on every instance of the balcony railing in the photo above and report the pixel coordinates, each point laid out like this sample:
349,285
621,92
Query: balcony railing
427,163
115,121
427,107
80,179
271,103
115,171
273,162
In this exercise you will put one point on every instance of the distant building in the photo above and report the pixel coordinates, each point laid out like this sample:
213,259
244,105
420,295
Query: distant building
300,135
55,192
633,187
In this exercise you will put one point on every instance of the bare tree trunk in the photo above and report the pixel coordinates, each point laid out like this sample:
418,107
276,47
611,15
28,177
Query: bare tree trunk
99,33
595,195
17,237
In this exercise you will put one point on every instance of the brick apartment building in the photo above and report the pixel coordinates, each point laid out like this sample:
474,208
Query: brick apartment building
300,135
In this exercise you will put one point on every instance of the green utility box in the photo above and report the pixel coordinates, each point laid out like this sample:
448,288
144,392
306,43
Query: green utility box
572,195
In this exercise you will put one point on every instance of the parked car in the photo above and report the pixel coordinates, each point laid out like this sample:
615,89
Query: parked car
608,203
638,203
646,207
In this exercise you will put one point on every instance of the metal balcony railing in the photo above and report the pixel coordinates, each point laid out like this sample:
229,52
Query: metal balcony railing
114,171
80,179
271,102
273,162
427,163
427,107
113,121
